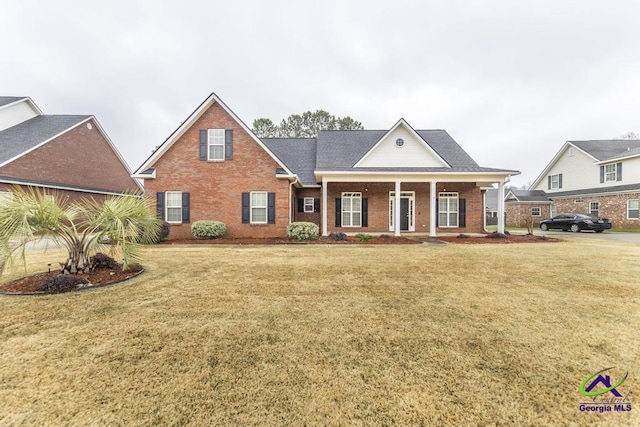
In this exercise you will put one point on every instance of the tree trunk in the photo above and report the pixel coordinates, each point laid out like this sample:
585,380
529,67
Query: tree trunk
78,264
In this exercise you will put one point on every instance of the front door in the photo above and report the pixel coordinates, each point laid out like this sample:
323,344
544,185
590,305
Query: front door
407,210
404,214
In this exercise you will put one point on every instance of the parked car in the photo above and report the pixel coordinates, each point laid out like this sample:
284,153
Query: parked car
576,223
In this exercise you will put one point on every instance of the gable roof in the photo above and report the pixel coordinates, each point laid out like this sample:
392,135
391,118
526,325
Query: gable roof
608,150
528,196
298,154
6,100
30,134
191,119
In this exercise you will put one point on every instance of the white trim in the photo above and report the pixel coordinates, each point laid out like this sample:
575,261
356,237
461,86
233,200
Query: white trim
352,176
166,206
351,195
618,159
449,195
61,187
325,189
539,214
28,100
266,207
304,205
638,209
433,195
190,121
210,144
411,196
554,160
414,134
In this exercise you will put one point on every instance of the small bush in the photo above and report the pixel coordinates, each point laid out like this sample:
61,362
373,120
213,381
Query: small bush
164,231
61,283
496,235
208,229
363,238
386,237
463,236
338,237
102,261
302,231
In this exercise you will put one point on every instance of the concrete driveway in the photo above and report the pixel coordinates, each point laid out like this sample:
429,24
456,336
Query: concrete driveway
606,235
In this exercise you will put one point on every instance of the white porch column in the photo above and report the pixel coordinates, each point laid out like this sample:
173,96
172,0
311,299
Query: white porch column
325,231
396,210
432,207
501,207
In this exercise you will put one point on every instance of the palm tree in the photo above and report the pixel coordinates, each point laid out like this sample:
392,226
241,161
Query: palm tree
84,227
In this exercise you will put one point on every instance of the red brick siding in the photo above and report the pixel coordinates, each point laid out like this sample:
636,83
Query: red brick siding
613,207
378,205
216,187
79,157
519,214
315,217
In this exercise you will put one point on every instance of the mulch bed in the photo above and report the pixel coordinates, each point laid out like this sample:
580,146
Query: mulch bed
377,240
99,277
494,239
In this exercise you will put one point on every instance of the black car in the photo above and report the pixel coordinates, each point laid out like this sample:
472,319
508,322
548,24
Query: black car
576,223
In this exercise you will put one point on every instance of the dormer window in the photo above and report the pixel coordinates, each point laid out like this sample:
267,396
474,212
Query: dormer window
610,172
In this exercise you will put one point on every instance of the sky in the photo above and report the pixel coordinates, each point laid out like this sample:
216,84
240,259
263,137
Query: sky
511,81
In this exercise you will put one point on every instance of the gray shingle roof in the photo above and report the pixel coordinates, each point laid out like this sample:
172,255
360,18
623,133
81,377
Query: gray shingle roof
28,134
531,195
609,149
298,154
4,100
597,190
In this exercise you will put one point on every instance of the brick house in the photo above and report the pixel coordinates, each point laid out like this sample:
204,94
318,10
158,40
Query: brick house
600,178
522,206
375,181
70,155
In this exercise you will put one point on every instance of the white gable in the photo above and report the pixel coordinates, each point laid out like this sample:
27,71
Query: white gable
413,152
17,112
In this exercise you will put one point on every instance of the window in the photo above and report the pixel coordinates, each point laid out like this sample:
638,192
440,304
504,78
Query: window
5,195
554,210
174,206
258,207
308,204
215,143
632,209
555,182
448,210
594,208
535,211
351,209
610,172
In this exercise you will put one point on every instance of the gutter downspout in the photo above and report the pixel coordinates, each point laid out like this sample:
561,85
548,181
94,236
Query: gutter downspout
291,184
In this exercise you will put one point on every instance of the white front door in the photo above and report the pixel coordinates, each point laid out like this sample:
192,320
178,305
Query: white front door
407,210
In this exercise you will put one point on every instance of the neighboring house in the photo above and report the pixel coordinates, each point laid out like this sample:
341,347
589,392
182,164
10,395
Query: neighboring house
70,155
522,206
594,177
386,181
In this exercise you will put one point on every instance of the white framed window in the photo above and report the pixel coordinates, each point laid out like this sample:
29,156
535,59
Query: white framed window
633,206
351,209
555,182
610,172
594,208
448,210
309,204
173,207
554,210
215,144
258,207
535,211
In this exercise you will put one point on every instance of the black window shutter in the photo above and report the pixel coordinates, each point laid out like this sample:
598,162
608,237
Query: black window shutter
203,144
560,181
300,204
549,182
338,212
271,208
160,204
316,205
228,144
462,213
246,208
602,173
619,171
437,213
186,214
365,212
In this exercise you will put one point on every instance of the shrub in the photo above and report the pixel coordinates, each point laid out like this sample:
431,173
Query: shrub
338,237
363,238
208,229
303,231
102,261
61,283
386,237
164,231
496,235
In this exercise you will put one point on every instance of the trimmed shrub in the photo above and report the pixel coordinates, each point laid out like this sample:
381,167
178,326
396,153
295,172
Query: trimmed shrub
363,238
61,283
338,237
164,231
208,229
302,231
102,261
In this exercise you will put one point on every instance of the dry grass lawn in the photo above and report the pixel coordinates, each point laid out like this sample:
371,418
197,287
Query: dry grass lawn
329,335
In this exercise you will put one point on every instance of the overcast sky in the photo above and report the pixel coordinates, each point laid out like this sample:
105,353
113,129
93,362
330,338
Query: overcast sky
511,81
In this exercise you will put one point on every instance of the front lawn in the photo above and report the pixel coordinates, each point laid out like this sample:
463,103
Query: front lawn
329,335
